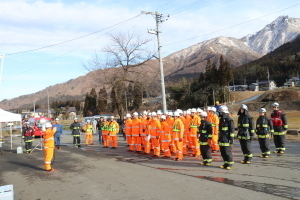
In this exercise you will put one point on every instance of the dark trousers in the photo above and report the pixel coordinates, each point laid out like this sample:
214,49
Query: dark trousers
28,143
264,145
246,149
100,137
76,140
205,152
279,142
226,155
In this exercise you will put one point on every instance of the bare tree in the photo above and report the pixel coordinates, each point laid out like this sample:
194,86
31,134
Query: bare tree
126,60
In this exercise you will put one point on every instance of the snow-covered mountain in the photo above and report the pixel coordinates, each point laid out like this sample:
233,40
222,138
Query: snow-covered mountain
192,60
273,35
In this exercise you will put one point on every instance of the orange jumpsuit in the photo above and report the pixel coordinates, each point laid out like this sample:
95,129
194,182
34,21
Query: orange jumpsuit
195,123
135,132
48,147
187,138
147,133
113,128
143,127
165,138
88,133
177,136
127,129
170,121
155,134
105,133
214,120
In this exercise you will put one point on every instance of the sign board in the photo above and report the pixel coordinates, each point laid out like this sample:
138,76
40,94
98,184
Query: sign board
7,192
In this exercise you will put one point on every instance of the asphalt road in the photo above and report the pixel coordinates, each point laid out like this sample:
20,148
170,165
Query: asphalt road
94,172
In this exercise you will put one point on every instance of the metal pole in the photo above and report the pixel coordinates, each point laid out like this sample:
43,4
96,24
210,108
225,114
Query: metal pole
158,18
161,67
10,137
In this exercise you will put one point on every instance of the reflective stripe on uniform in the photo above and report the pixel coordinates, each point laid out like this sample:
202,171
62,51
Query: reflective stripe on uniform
224,144
263,136
279,133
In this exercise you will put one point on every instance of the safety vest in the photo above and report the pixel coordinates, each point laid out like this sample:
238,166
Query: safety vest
88,128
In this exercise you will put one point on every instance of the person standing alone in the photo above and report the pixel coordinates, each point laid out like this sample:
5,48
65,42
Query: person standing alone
75,127
49,147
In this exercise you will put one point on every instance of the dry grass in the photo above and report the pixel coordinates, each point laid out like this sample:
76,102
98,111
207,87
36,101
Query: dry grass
242,95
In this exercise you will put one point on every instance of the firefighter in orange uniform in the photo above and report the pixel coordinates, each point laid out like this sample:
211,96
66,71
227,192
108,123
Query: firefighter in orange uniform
147,137
214,120
113,128
170,121
135,132
105,133
127,129
195,123
89,130
165,137
187,122
155,134
49,146
177,136
143,127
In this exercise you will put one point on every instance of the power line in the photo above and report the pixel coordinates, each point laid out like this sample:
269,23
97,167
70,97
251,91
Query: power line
75,38
55,58
209,3
232,25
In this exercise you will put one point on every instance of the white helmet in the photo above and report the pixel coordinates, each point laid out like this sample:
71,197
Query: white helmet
213,109
135,113
112,117
145,112
75,118
179,111
48,125
188,112
204,114
128,115
170,113
262,110
153,114
26,123
184,112
163,117
88,121
275,105
159,112
243,106
176,114
224,109
199,110
193,110
208,108
56,119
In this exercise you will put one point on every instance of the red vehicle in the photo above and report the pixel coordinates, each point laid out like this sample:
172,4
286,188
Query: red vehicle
38,124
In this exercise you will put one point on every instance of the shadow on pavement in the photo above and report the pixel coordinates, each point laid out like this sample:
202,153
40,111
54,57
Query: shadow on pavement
22,164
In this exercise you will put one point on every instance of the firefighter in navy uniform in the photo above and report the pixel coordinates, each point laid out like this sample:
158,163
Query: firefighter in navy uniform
28,136
76,127
264,128
226,137
205,135
245,133
280,128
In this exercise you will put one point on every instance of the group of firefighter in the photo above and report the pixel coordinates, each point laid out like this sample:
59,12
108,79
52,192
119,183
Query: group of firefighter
202,132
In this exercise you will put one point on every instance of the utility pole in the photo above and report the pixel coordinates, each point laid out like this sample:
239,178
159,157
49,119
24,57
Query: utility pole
157,32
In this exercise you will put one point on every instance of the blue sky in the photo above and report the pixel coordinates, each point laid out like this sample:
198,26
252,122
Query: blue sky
27,25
